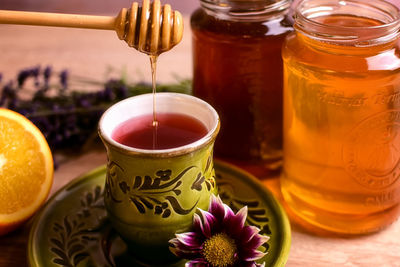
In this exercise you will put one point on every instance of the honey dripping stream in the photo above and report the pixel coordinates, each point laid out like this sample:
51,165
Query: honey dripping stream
153,64
161,28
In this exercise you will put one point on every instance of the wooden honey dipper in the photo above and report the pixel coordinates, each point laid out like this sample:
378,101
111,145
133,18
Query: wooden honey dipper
151,28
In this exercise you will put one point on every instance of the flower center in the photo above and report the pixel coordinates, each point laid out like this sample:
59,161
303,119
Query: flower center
220,250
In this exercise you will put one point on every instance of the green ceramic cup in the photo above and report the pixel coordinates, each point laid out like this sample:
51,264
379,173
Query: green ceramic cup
152,194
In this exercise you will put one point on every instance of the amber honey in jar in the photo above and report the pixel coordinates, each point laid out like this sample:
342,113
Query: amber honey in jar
238,70
342,115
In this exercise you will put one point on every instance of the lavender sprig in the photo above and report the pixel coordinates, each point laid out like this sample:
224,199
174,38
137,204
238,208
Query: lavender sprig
68,117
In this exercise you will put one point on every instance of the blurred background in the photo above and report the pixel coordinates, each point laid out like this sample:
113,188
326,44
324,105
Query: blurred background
88,6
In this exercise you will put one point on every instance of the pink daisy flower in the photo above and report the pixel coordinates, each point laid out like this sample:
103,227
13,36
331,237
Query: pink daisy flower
220,238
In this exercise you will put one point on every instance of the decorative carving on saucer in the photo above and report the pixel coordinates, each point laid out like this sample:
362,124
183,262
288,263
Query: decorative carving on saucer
70,236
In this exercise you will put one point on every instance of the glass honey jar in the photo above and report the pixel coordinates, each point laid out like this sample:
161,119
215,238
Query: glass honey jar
238,70
341,167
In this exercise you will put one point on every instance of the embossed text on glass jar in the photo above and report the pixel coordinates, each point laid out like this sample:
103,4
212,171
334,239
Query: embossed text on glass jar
342,115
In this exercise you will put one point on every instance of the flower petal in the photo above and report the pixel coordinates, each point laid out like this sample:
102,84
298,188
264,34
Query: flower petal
250,264
182,251
235,224
217,207
190,239
199,262
208,223
248,233
185,254
252,255
197,224
228,212
241,216
257,241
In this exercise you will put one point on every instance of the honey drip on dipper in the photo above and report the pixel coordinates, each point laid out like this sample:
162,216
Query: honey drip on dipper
160,28
151,28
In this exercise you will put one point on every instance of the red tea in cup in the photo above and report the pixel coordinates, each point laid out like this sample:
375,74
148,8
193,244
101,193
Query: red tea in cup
172,130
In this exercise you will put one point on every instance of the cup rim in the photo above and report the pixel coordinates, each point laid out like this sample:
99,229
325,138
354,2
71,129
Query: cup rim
162,153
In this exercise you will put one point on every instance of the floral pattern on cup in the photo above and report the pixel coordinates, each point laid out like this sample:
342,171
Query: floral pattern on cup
159,193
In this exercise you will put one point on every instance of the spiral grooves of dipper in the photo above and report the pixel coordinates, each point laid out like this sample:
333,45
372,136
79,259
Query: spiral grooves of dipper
153,28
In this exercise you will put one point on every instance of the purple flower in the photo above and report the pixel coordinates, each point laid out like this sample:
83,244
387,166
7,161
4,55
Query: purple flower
23,75
8,97
64,79
46,75
220,238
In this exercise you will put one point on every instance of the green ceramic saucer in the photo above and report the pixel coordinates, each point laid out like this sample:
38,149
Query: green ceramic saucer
73,230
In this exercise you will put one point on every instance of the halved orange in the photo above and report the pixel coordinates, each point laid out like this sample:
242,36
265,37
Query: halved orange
26,170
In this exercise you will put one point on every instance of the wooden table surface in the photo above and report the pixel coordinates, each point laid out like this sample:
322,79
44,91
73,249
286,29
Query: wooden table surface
92,53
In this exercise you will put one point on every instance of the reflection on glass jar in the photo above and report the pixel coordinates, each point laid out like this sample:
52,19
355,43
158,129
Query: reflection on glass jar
238,70
342,115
